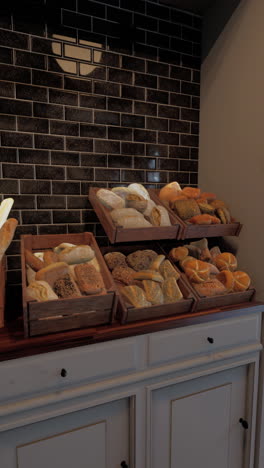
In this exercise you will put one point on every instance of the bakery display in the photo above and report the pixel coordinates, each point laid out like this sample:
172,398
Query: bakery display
210,272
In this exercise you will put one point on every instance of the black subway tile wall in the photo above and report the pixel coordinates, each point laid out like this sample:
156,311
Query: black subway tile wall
93,93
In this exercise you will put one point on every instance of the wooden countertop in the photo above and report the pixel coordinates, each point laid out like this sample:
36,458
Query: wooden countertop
13,345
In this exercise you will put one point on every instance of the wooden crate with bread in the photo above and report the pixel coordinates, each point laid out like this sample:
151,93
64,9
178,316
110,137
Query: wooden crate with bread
66,284
213,275
148,284
200,213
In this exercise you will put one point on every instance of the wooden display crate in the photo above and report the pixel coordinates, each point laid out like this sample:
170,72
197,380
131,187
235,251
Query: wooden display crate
192,231
66,314
2,291
118,234
127,314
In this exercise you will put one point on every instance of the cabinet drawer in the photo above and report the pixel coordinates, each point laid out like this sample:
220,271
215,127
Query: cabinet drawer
194,340
28,376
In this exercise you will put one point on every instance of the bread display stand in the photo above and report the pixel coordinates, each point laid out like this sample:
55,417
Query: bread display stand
128,314
66,314
118,234
2,291
192,231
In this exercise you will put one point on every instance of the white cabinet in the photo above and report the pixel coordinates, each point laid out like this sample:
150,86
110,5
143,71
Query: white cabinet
96,438
196,423
170,399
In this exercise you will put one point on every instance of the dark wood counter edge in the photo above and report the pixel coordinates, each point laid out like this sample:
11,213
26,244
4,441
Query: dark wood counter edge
13,345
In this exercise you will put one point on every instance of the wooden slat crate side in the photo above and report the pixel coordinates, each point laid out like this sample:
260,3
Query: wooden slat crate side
34,311
85,319
2,291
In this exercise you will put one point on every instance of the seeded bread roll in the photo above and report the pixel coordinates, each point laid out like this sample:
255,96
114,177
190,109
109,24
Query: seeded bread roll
210,288
123,274
66,288
114,259
186,209
88,279
141,259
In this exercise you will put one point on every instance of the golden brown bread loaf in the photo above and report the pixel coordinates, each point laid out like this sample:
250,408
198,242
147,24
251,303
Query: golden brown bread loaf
227,278
89,280
31,260
197,271
7,232
168,271
170,191
213,287
50,257
135,296
153,292
178,253
123,274
226,261
186,209
171,291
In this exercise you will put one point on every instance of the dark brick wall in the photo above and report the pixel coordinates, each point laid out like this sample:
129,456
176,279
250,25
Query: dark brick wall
94,93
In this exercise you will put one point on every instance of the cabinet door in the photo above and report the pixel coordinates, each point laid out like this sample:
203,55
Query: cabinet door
94,438
196,423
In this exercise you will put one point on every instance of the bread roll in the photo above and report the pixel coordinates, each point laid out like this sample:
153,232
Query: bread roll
114,259
77,254
227,278
141,259
191,192
150,205
178,253
124,212
50,257
40,291
124,274
159,216
62,246
153,292
52,272
135,296
170,191
226,261
242,281
137,202
204,219
88,279
186,209
155,265
210,288
66,288
171,291
197,271
7,232
121,191
138,189
133,222
148,275
168,271
109,199
31,260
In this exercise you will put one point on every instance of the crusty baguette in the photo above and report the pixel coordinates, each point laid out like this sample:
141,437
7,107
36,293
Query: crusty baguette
7,232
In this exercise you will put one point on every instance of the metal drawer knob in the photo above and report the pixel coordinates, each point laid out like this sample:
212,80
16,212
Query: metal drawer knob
243,423
211,340
124,464
63,373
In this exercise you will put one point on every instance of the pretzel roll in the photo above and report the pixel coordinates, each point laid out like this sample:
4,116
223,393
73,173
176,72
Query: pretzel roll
197,271
226,261
178,253
242,281
227,278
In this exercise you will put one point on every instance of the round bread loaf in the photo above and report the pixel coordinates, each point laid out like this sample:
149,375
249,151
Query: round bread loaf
227,278
197,271
226,261
170,191
178,253
242,281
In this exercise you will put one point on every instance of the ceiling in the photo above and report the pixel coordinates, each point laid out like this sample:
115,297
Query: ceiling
196,6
